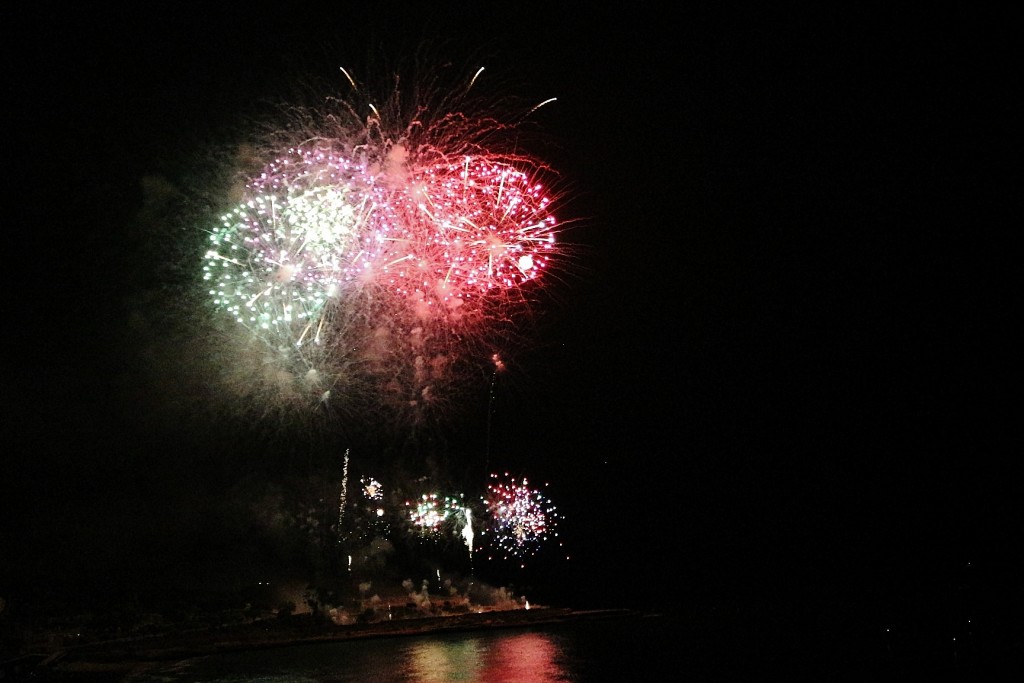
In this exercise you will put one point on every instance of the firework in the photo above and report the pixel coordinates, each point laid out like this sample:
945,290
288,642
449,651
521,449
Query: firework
373,520
385,246
520,518
343,496
431,513
372,489
467,530
281,255
481,228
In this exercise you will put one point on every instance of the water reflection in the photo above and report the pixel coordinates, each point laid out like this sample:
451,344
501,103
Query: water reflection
515,658
596,652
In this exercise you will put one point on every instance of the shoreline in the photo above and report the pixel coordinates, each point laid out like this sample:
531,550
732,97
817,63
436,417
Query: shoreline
124,656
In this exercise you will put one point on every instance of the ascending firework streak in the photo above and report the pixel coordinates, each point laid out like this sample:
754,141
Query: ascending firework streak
344,494
499,365
467,531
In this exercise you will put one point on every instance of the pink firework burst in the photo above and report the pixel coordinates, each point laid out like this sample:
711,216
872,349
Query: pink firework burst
521,518
483,228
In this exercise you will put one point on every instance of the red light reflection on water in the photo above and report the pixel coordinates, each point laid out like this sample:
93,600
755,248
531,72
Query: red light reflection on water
512,659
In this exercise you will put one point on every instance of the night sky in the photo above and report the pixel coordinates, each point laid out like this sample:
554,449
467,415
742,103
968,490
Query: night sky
778,369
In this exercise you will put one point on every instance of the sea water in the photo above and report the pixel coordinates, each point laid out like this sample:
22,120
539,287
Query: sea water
637,647
634,648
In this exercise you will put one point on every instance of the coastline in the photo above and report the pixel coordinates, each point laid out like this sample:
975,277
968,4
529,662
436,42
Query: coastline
124,656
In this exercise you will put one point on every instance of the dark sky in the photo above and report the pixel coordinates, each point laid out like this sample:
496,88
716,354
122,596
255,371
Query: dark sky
781,366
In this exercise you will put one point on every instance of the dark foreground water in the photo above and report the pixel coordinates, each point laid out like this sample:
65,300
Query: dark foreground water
626,649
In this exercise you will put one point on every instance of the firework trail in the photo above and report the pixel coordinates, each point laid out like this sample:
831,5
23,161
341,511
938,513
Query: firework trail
499,366
467,530
342,498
